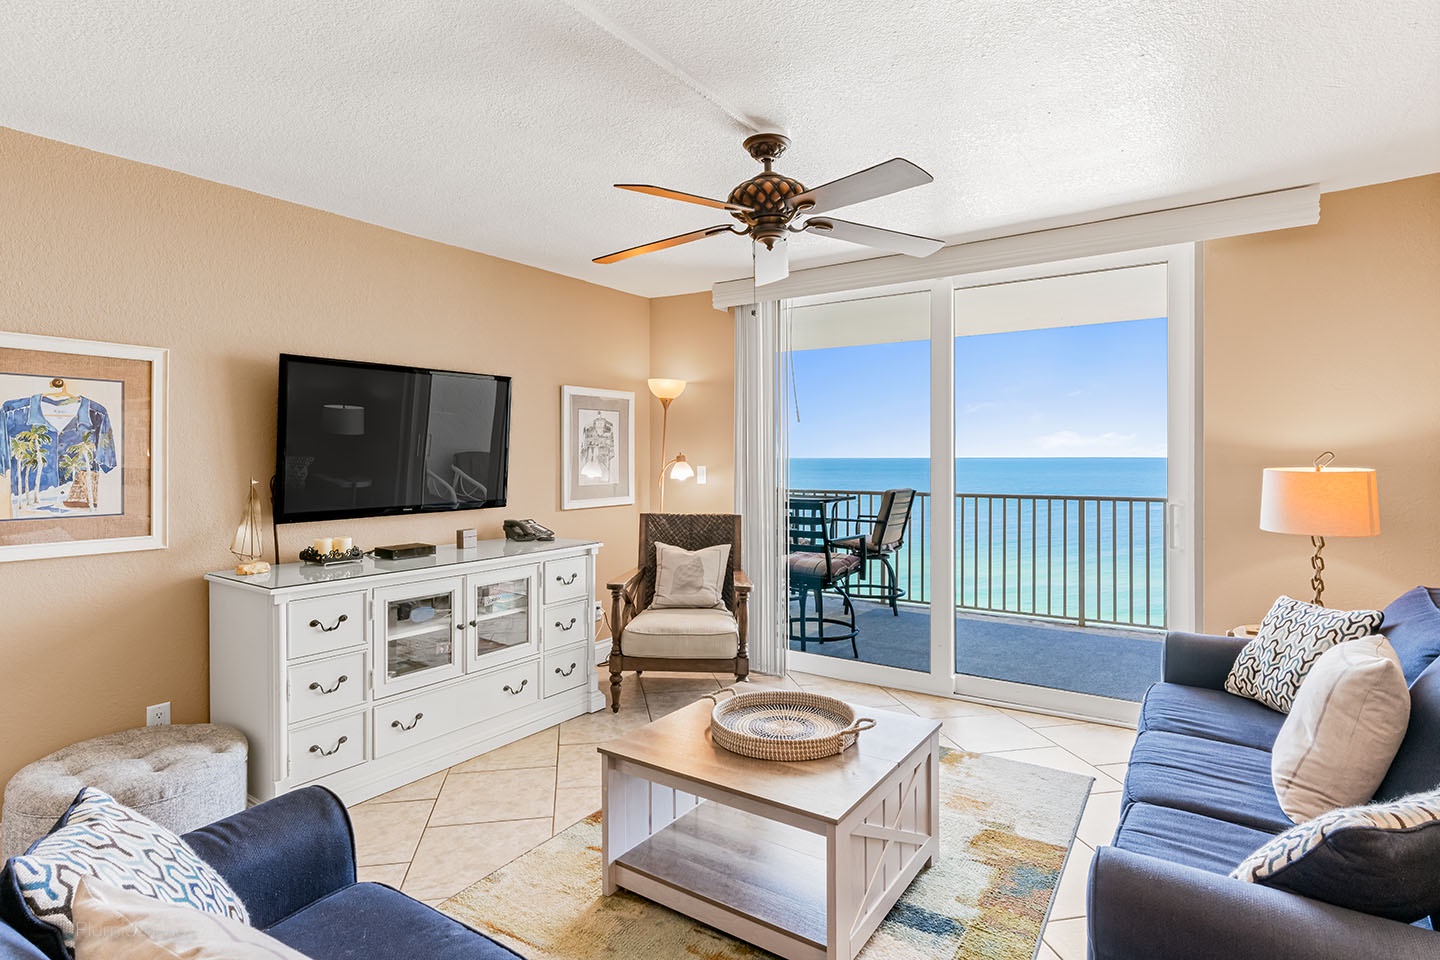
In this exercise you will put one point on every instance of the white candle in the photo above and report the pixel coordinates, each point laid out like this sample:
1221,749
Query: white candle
322,545
343,544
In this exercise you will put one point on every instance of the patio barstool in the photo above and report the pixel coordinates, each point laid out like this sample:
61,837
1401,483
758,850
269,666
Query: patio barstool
817,565
884,538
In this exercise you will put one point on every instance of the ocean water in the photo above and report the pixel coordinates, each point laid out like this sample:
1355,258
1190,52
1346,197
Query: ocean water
1045,476
1024,542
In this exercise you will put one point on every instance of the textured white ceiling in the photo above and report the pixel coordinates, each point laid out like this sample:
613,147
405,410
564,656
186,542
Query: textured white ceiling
500,126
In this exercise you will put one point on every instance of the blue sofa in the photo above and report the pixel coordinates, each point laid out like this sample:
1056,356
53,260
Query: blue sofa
292,860
1198,799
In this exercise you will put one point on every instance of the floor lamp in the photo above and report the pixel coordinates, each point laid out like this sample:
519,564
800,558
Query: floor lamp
1320,501
666,391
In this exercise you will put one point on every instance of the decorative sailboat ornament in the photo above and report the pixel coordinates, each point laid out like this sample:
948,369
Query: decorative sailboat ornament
249,540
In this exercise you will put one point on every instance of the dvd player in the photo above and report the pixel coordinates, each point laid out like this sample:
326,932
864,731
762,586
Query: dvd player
404,551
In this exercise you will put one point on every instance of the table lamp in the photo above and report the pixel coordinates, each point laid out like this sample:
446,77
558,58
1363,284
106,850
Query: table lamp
666,390
1320,501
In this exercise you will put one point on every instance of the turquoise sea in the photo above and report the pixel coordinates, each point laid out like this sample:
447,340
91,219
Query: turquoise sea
1025,541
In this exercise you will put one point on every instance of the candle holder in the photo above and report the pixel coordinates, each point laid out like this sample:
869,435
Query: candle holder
311,555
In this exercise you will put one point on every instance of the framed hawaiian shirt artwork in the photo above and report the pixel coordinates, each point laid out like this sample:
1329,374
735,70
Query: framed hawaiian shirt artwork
82,447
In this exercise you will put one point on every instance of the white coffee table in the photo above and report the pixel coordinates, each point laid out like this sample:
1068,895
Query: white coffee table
801,859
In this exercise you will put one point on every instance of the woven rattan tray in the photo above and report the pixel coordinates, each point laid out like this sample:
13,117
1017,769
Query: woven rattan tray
784,724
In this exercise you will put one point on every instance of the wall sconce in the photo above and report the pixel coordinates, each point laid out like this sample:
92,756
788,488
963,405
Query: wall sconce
666,390
1320,501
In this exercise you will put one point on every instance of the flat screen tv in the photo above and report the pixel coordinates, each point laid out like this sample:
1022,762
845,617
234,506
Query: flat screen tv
371,439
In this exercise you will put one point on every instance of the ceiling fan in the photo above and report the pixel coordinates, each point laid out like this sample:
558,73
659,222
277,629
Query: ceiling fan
771,205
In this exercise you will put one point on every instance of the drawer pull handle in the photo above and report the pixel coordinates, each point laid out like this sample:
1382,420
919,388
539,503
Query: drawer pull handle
513,691
324,629
410,726
566,673
566,581
316,748
566,626
317,686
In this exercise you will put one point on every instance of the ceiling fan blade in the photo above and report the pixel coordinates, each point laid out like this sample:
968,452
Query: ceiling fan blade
663,244
669,194
881,239
771,264
883,179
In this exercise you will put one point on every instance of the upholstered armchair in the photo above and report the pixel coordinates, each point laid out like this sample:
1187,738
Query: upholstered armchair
689,639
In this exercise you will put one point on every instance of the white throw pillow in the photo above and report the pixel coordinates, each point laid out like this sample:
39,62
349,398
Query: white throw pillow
115,924
1291,638
1343,730
689,578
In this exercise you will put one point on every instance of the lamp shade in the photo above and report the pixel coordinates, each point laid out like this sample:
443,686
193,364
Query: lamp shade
1330,502
666,389
343,419
681,469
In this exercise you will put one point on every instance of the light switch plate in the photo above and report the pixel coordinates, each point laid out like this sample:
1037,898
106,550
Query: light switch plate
700,474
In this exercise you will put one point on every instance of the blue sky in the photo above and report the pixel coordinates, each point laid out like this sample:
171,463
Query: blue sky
1089,391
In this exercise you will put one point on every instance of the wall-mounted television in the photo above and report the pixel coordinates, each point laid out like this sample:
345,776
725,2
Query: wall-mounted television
372,439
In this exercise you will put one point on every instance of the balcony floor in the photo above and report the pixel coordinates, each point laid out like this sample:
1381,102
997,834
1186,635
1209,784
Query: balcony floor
1104,661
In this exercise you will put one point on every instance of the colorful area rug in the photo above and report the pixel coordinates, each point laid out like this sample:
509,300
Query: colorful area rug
1005,831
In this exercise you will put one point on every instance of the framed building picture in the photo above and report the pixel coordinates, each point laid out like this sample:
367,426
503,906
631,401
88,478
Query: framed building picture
597,441
82,447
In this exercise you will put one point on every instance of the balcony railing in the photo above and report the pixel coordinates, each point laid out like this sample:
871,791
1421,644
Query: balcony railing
1083,560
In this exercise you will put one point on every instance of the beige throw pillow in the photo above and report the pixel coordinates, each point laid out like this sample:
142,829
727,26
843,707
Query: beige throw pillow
689,578
1343,730
115,924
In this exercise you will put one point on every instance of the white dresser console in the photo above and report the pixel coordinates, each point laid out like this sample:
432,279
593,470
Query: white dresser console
367,676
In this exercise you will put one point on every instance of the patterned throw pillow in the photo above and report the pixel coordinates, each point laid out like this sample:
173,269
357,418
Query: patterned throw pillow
1379,859
1291,638
100,838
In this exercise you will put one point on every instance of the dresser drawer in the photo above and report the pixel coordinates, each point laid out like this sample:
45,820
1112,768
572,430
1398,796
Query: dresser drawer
504,688
322,624
327,686
327,747
564,670
563,625
565,579
411,720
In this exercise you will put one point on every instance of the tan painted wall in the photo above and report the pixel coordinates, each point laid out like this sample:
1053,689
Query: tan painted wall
1324,338
693,341
100,248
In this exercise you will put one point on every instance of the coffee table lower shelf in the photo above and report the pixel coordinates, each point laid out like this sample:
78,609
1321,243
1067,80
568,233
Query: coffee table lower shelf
742,868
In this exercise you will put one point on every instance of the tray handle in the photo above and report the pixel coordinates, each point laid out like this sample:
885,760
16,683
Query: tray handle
851,734
715,697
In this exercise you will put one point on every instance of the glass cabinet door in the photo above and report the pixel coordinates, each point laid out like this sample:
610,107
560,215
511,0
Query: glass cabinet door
418,634
502,620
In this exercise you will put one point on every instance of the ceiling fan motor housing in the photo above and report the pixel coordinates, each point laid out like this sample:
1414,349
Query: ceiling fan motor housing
768,195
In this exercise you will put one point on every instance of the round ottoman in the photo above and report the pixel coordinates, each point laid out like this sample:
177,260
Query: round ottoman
182,776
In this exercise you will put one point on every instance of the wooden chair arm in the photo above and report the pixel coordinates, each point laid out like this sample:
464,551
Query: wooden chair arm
625,580
742,582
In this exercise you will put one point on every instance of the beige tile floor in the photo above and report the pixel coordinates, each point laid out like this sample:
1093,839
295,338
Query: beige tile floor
436,836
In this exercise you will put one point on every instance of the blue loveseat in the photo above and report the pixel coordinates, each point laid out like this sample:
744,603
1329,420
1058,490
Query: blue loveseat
292,860
1198,799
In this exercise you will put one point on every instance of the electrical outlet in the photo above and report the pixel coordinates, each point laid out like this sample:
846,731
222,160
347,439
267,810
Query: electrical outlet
158,714
599,610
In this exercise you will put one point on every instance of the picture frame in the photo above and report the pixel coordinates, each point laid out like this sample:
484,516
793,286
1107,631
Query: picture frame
597,447
82,447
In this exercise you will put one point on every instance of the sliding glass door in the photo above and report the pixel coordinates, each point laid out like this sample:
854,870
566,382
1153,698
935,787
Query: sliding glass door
859,439
1044,419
